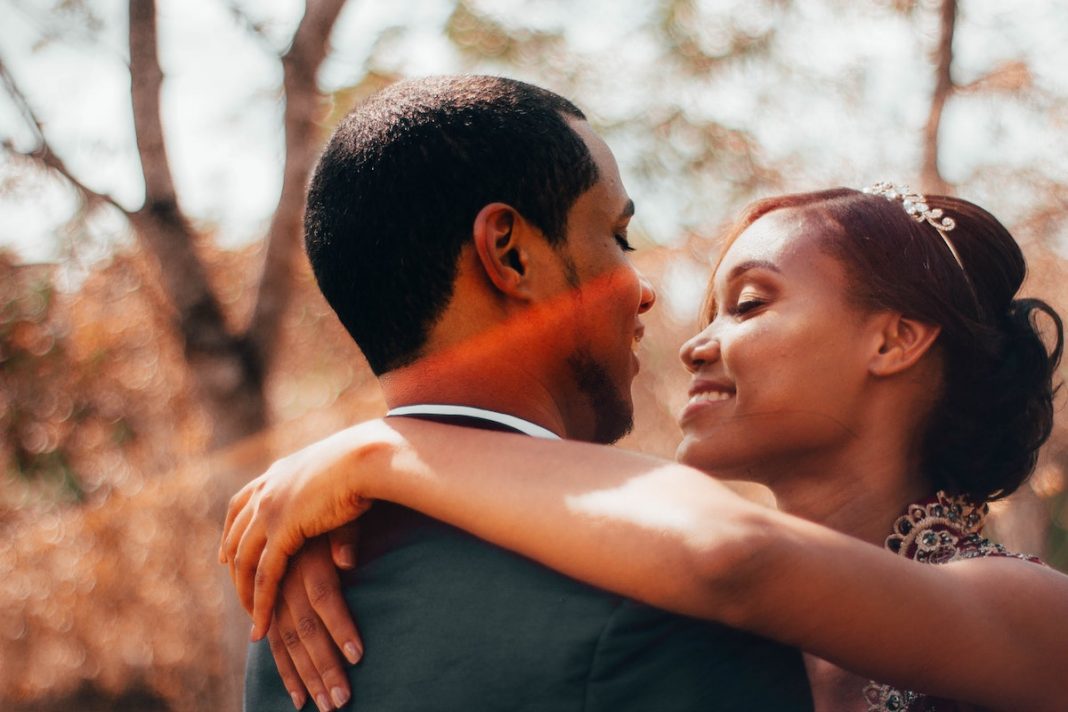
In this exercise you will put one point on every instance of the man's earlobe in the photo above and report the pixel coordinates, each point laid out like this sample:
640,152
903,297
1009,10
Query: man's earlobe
902,343
496,232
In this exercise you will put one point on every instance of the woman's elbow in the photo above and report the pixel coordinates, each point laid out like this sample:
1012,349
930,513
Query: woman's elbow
733,563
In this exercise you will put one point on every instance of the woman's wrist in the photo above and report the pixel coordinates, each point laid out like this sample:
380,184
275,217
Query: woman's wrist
374,467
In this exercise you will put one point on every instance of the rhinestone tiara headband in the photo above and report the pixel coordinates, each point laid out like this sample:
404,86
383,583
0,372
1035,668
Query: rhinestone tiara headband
917,208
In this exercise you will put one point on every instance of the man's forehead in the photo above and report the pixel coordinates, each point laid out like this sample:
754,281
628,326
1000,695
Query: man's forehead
612,198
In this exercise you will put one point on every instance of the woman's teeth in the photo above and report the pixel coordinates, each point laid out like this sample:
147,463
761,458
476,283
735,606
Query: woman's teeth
710,396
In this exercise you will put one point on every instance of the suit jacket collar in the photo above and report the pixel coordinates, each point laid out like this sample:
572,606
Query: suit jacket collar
483,418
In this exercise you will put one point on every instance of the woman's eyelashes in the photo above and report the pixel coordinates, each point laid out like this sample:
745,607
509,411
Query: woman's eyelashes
746,304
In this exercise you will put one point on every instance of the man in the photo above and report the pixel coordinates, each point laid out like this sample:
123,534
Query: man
470,233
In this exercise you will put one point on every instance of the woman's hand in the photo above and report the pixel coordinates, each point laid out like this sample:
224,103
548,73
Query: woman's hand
308,493
312,624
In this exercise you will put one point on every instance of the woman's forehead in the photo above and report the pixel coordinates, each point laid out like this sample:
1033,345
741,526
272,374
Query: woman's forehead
775,238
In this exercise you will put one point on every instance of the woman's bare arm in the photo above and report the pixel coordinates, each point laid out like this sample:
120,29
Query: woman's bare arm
993,632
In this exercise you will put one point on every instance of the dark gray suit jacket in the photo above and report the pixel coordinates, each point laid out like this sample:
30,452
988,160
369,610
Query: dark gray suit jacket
452,623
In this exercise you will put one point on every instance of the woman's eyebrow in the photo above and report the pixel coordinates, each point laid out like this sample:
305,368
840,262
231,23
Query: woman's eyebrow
744,267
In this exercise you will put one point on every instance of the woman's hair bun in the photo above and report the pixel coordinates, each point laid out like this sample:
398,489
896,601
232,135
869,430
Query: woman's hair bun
999,412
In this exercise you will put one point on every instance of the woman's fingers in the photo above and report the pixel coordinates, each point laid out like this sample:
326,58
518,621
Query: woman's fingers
298,692
245,562
233,538
260,585
343,542
323,589
293,647
312,646
235,560
235,507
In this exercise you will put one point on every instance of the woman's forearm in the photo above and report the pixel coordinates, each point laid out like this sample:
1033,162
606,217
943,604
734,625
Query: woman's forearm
675,538
648,528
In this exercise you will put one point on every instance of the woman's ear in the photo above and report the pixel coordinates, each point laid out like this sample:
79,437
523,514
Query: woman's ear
500,247
902,342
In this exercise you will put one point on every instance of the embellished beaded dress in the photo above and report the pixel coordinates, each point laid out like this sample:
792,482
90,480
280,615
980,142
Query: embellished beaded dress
935,531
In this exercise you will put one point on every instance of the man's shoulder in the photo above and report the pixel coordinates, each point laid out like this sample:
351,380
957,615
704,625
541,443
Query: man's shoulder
441,572
451,622
650,659
525,621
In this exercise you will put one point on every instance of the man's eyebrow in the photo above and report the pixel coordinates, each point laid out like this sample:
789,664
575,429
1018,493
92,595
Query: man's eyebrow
628,210
744,267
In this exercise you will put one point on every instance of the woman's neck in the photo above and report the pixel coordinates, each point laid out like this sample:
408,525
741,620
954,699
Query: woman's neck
859,496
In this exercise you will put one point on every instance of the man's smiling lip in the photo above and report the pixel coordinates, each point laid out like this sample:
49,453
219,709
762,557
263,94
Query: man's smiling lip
639,333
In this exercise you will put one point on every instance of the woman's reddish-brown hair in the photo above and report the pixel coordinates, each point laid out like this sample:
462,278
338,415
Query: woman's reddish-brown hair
996,405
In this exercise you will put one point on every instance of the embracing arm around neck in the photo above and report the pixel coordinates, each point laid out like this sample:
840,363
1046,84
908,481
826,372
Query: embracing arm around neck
989,631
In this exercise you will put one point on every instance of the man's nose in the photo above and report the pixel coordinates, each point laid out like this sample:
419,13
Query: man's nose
648,294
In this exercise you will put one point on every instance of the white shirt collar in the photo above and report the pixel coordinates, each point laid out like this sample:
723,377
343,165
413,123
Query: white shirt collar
523,426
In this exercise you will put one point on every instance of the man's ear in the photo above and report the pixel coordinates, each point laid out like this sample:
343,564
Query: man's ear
902,342
498,237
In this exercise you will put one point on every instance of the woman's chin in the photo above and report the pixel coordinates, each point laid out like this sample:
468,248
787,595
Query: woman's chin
695,453
702,454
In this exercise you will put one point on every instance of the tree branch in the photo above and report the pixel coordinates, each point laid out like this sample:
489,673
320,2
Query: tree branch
931,179
20,100
300,66
227,370
1011,77
43,155
254,28
146,79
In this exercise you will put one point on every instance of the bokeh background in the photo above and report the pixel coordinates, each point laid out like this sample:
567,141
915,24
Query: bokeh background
161,339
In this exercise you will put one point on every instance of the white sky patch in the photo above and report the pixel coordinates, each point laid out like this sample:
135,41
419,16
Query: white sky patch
683,289
841,100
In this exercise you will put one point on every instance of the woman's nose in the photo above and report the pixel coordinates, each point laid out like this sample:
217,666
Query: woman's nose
701,349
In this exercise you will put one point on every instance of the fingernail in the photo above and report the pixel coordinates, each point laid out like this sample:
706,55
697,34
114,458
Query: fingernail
298,700
346,557
352,652
340,696
323,703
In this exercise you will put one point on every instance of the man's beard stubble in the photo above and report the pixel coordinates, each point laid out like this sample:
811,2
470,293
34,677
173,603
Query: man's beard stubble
613,412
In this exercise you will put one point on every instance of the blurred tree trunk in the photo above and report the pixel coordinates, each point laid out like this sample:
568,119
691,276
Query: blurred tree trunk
1024,524
228,366
931,180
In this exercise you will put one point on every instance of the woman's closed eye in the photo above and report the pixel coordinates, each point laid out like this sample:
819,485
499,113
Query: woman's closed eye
624,244
746,305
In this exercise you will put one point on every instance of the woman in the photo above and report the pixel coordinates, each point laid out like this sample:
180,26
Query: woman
865,358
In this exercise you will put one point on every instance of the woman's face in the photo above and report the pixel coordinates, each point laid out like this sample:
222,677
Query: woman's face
779,373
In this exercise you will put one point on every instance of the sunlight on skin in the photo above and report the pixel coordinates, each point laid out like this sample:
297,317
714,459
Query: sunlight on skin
550,318
617,504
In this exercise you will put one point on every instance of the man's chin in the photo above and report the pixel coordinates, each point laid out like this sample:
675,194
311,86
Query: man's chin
612,406
612,433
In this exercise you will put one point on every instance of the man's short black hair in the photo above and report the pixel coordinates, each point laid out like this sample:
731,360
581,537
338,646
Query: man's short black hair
397,189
